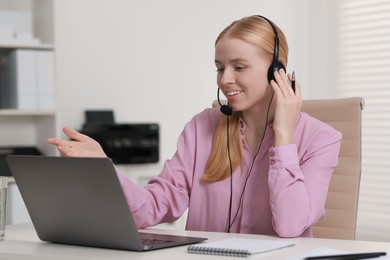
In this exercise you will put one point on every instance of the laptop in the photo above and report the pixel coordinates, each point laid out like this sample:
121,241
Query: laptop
80,201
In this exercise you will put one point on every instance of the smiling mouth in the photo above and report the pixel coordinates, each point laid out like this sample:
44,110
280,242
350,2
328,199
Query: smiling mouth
233,93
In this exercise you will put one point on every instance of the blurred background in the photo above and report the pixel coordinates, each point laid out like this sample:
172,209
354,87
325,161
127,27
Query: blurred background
152,61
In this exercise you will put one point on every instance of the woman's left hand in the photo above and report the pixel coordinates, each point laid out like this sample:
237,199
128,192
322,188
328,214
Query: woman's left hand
288,106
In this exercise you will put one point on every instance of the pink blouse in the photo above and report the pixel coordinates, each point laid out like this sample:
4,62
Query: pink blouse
284,194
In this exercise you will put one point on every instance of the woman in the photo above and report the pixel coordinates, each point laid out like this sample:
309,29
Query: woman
264,170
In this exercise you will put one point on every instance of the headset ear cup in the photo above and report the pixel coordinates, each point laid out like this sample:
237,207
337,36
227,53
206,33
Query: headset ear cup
274,67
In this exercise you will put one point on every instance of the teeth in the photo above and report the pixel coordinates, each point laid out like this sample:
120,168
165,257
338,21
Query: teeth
233,93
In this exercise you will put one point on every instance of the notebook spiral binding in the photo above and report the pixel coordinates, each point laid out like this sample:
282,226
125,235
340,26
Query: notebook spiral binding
218,251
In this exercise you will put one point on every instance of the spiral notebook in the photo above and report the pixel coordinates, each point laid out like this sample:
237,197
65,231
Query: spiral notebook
240,247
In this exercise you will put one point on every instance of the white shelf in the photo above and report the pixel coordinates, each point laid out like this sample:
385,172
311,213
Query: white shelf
19,112
28,127
10,45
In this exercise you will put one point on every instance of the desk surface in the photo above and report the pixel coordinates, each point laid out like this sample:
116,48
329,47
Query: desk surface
21,242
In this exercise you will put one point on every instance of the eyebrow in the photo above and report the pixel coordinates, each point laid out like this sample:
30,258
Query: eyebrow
234,60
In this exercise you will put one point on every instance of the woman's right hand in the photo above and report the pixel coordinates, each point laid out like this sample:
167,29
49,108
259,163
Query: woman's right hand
80,145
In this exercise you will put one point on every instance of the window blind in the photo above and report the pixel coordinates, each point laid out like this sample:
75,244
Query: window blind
363,69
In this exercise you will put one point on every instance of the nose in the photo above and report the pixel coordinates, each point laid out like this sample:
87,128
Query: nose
226,77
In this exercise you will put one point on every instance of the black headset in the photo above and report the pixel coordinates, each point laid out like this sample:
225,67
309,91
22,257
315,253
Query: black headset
275,66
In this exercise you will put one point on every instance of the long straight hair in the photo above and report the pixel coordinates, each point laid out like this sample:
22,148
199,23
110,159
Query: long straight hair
258,32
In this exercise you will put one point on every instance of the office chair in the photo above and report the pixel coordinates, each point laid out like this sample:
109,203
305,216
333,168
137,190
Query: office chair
341,205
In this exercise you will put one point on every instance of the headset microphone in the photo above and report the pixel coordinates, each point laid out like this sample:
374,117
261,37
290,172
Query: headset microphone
225,109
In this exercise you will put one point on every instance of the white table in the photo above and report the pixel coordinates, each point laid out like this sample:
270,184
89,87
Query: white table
22,243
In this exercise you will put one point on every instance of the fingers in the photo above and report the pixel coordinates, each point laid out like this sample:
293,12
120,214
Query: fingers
73,134
282,84
52,141
59,142
63,145
68,131
78,145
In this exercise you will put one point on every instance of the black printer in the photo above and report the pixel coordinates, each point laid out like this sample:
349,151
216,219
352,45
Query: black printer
123,143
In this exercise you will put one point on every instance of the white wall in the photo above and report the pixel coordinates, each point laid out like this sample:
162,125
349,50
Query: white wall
153,61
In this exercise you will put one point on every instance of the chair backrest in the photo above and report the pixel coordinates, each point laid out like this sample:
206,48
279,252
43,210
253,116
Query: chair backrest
341,206
342,201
